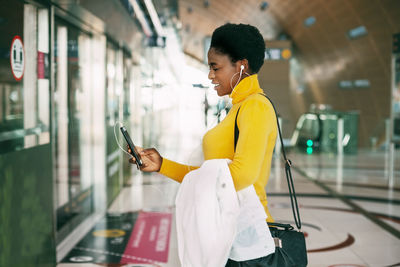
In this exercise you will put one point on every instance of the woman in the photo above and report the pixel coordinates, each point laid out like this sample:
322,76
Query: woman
235,56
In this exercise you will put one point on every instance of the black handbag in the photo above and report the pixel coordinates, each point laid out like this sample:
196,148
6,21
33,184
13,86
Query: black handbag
290,245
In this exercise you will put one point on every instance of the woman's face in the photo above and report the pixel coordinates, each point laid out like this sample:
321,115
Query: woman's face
221,72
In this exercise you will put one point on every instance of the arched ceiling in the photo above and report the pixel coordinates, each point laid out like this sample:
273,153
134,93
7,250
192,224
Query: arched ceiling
324,52
333,20
199,21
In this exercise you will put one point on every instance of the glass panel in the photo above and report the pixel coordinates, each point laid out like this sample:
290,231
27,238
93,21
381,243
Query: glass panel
112,100
126,98
24,94
73,133
83,112
74,114
29,78
98,82
26,213
114,83
43,74
61,116
127,85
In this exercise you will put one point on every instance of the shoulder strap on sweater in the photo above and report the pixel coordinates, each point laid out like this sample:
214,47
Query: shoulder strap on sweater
288,164
279,131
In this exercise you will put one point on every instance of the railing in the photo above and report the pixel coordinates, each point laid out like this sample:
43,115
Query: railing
20,133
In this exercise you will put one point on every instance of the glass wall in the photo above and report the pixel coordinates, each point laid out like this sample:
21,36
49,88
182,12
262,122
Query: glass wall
126,107
11,89
114,114
24,77
63,87
26,212
73,134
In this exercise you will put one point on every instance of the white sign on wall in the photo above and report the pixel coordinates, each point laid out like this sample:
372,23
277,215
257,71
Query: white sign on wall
17,58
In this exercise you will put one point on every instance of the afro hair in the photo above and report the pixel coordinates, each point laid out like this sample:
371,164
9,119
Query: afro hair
240,41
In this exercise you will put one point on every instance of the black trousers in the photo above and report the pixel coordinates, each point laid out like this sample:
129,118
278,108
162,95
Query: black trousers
260,262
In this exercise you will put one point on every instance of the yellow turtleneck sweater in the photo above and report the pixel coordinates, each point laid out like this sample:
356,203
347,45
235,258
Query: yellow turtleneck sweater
251,163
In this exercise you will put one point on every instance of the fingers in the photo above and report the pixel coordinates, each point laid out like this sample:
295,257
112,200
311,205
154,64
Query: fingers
150,157
138,148
132,160
147,152
144,166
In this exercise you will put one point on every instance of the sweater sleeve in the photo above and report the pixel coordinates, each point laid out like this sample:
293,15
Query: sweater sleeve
174,170
256,120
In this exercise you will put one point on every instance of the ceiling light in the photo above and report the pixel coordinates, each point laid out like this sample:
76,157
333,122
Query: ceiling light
309,21
357,32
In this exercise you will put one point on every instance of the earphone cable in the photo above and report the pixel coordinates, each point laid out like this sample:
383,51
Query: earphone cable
116,138
163,194
240,76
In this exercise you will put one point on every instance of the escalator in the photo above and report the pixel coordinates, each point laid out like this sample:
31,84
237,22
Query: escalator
318,132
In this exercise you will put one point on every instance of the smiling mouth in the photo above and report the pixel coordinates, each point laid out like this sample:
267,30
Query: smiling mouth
216,86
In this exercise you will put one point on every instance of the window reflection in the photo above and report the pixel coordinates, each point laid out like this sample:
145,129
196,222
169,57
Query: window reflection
24,98
114,90
72,128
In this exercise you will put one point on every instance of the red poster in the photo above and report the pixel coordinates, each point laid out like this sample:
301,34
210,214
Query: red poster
40,65
149,241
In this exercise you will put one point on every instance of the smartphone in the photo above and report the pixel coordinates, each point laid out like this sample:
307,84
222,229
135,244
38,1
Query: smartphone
134,153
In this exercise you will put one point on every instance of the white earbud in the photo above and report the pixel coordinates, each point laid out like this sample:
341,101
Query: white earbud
241,67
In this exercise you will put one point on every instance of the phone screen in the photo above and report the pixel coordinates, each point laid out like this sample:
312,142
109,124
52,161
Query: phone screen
134,152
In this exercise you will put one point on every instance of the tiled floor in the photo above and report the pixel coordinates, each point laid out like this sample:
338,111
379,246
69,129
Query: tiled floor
337,233
328,222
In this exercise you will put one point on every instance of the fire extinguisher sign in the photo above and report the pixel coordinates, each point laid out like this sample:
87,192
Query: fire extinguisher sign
17,58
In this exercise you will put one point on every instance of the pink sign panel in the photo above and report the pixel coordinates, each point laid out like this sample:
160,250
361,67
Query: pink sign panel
40,65
149,241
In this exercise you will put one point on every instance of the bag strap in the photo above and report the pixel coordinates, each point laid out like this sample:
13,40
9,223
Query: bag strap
288,164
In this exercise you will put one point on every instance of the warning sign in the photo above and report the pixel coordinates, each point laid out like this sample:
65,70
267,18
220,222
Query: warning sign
17,58
149,240
135,238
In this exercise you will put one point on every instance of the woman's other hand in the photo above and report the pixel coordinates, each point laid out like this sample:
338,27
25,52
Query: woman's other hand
151,159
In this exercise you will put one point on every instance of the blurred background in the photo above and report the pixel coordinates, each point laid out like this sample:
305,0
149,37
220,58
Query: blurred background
72,70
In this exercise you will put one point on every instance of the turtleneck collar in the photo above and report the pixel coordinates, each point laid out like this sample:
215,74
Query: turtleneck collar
246,87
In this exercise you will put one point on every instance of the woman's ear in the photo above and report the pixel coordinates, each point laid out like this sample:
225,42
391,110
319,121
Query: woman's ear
243,65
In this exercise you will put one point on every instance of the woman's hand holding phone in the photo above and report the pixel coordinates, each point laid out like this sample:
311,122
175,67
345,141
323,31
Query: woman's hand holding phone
152,160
